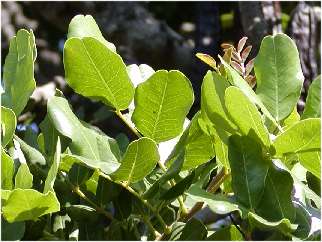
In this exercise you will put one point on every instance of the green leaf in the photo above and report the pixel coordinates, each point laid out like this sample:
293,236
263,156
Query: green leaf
248,170
303,141
218,204
52,173
23,177
88,146
193,230
245,115
235,79
278,75
161,105
283,225
28,204
139,160
230,233
276,202
33,156
95,71
312,107
7,171
12,231
291,119
212,101
8,125
85,26
18,71
197,146
106,191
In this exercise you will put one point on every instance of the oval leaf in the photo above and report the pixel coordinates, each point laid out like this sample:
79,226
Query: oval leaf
279,75
139,160
161,105
85,26
95,71
245,115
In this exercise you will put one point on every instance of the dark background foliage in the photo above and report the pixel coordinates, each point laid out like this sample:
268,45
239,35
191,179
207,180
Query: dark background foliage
164,35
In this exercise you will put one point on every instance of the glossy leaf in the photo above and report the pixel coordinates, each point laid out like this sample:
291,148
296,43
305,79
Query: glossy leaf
139,160
7,171
303,141
8,125
161,105
52,173
88,145
197,146
279,75
245,115
95,71
85,26
312,107
212,101
248,170
18,71
28,204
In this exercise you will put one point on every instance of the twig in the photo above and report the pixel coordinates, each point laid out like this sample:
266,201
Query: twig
237,227
121,116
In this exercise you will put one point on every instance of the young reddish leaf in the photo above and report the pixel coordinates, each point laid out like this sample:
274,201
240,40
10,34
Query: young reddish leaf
241,44
207,59
236,57
237,67
251,80
226,46
246,52
250,66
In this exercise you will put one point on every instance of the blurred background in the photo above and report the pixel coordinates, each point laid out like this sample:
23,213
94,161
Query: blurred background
164,35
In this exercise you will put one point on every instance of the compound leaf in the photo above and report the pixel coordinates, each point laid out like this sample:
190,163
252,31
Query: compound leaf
95,71
139,160
161,105
278,74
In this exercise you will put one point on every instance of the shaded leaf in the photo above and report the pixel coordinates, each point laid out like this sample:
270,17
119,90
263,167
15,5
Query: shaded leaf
79,174
312,107
7,171
230,233
12,231
52,173
170,96
248,170
279,75
193,230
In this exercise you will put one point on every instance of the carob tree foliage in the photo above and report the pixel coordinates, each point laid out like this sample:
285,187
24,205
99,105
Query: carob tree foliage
247,154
